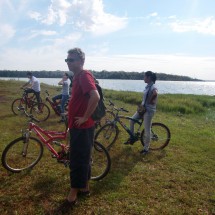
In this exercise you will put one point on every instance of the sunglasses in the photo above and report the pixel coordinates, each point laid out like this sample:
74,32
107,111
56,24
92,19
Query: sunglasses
70,60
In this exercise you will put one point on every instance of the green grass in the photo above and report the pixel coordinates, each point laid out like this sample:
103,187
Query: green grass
177,180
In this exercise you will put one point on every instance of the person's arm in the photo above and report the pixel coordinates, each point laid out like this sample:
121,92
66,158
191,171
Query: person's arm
153,96
60,82
24,85
92,104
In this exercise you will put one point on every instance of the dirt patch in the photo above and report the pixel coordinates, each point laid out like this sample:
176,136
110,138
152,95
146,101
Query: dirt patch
4,92
3,99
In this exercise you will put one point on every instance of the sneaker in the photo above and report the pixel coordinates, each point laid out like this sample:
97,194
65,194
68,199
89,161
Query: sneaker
65,207
144,152
62,120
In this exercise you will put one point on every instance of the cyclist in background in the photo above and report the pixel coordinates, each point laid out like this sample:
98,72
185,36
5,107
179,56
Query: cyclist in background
149,103
64,96
33,86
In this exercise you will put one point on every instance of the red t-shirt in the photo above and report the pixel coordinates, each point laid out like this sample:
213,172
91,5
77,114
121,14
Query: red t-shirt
82,84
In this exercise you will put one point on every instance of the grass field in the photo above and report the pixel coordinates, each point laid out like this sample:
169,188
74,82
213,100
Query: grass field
177,180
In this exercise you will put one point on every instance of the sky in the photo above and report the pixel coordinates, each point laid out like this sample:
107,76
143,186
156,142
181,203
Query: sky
164,36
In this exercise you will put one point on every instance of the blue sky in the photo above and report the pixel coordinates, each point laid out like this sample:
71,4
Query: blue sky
168,36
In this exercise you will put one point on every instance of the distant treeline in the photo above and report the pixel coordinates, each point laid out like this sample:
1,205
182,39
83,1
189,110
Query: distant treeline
99,75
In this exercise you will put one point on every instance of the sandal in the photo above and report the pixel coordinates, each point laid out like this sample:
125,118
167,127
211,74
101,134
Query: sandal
65,207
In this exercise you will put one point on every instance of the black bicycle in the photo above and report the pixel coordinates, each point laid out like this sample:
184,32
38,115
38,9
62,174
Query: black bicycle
109,116
108,134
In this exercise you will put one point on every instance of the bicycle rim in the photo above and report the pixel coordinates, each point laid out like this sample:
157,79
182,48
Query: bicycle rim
41,114
15,160
18,106
107,135
100,162
160,136
109,116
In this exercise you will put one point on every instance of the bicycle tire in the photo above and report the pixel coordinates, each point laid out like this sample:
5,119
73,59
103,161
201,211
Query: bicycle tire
42,114
18,106
109,116
107,135
12,156
160,136
100,162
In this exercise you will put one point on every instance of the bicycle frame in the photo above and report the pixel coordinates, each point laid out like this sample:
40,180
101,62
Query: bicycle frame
28,100
53,105
51,136
118,119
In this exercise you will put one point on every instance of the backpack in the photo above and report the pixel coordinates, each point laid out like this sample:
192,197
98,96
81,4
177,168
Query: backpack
99,112
100,109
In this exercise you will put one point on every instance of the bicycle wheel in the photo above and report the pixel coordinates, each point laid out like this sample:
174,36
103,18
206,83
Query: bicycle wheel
160,136
19,156
109,116
41,114
100,162
107,135
18,106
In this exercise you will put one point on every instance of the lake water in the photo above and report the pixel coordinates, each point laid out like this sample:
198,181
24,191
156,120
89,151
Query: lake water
172,87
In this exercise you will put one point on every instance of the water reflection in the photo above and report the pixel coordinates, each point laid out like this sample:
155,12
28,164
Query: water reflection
172,87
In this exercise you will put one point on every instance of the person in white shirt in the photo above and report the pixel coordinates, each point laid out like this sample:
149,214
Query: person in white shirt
149,103
32,86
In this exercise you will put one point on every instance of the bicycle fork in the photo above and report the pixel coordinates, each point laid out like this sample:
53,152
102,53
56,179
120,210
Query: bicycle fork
26,136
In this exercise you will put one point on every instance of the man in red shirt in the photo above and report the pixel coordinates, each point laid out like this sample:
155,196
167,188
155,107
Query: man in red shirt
83,102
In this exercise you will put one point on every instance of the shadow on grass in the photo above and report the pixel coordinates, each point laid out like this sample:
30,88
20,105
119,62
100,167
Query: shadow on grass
45,185
122,164
9,115
5,174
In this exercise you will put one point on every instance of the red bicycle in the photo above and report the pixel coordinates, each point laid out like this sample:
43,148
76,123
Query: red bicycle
56,106
26,151
29,102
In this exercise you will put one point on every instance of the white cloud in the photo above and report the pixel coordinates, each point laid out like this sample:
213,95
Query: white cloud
34,15
6,33
94,19
153,14
86,15
204,26
67,41
49,57
172,17
35,33
56,13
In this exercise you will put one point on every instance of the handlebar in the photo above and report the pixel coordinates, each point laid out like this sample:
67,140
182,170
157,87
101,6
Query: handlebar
24,90
117,109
